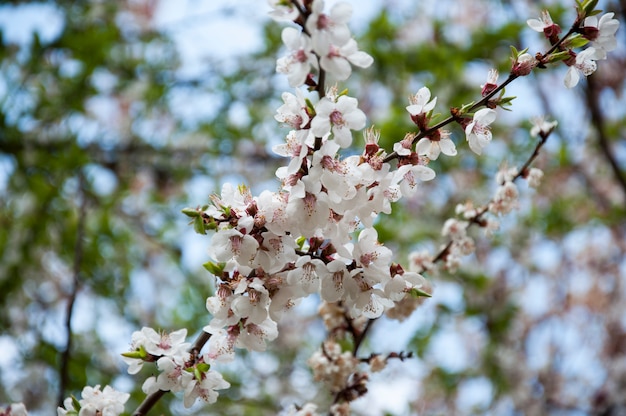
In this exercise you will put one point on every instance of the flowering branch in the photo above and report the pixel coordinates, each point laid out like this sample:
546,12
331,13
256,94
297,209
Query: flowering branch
316,235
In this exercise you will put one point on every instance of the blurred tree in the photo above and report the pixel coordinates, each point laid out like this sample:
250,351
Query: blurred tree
105,136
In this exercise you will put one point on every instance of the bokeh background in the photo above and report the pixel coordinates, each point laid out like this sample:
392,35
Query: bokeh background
116,115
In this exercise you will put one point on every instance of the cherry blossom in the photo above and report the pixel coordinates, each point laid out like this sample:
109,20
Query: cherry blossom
308,409
15,409
332,366
339,116
477,132
601,33
231,244
283,11
544,25
204,389
491,84
585,63
293,112
173,376
404,146
435,144
534,177
542,127
94,401
372,256
523,64
338,60
331,28
307,274
156,344
298,63
254,337
419,106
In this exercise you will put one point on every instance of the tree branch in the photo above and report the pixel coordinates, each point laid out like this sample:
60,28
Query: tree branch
78,256
592,94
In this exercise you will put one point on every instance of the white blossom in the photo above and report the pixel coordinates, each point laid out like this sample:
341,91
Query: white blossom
585,63
205,388
544,22
300,59
433,148
477,132
283,11
420,103
105,402
339,118
338,60
541,126
601,32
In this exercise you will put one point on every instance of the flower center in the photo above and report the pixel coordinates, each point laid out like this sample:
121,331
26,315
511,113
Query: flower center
336,118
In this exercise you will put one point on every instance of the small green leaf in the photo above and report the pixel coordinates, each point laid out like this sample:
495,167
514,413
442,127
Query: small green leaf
506,101
573,42
191,212
589,7
75,402
216,269
310,107
203,367
345,344
559,56
418,293
198,225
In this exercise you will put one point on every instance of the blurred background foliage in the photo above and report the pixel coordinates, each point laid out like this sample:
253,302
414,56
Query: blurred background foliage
107,132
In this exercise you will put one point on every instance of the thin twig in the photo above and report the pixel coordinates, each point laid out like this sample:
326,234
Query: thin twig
78,256
597,118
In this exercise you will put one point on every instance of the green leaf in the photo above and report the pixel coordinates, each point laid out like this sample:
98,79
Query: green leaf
418,293
216,269
191,212
198,225
75,402
203,367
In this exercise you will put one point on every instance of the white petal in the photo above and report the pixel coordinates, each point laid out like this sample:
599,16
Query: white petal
361,59
424,173
447,147
423,146
535,24
320,126
341,12
485,116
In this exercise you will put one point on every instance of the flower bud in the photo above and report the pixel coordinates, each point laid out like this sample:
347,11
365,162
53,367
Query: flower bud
523,65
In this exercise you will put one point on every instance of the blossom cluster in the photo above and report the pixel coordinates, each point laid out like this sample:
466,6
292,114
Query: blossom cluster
94,401
599,33
179,371
315,234
325,41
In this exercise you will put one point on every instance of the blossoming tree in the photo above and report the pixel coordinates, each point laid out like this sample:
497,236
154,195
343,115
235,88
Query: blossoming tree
317,235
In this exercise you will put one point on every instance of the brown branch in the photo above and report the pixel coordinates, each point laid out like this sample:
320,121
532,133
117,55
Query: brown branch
592,94
485,100
64,375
